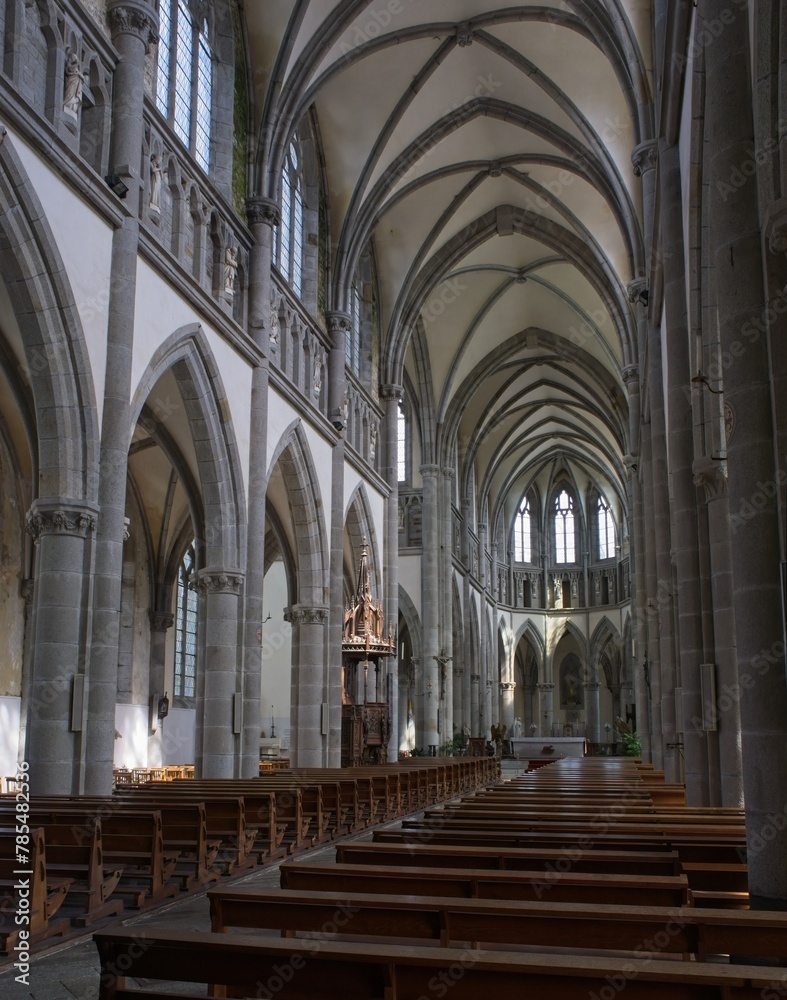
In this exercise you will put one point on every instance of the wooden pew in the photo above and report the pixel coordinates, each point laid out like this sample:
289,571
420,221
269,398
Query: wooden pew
289,969
469,883
132,841
688,932
36,896
509,859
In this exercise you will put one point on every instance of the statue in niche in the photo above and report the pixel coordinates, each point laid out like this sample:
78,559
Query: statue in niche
372,442
517,727
155,182
74,84
230,268
274,337
317,374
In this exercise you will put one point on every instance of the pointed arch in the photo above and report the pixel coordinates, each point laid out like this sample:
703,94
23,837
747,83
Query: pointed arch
566,628
294,458
187,353
530,634
56,358
359,526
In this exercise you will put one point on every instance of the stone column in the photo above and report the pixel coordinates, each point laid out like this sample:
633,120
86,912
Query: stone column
507,690
592,714
680,442
711,477
262,216
63,535
160,623
475,704
467,716
220,592
430,603
391,396
615,690
546,714
736,248
134,25
446,600
308,648
339,326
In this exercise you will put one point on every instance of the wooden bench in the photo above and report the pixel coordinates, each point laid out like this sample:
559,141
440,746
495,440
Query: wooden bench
471,883
32,898
289,969
132,841
689,932
510,859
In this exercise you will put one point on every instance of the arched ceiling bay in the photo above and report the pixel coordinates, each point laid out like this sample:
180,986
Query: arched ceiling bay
484,147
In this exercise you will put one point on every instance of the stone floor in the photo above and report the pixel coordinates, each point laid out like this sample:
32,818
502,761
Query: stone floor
69,971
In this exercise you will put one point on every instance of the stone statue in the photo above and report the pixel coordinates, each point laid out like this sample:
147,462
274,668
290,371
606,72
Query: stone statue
517,727
155,182
372,442
317,376
75,81
230,268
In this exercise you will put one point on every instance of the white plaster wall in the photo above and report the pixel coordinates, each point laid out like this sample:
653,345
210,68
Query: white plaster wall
276,656
160,311
85,243
10,715
178,736
131,750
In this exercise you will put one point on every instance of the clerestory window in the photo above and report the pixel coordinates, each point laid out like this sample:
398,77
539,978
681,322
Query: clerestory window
186,630
289,235
565,545
523,549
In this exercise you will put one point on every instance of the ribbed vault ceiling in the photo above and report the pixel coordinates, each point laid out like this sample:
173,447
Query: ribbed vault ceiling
485,147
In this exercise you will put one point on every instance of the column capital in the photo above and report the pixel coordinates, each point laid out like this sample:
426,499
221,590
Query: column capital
160,621
429,470
710,476
338,322
60,516
302,614
448,472
133,17
631,377
637,291
475,678
645,156
262,211
213,580
507,686
390,392
545,687
591,685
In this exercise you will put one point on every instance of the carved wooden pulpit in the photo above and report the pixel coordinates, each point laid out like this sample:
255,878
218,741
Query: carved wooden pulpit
366,723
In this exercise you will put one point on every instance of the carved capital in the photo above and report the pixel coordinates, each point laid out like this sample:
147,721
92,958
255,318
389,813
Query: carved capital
390,392
631,376
160,621
59,518
219,581
545,687
301,614
339,323
262,211
428,471
448,472
591,685
636,289
507,686
710,476
645,156
475,678
133,17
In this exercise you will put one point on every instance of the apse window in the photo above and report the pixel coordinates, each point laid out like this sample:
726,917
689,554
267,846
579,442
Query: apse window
186,629
522,537
352,344
606,530
565,547
401,445
289,235
184,83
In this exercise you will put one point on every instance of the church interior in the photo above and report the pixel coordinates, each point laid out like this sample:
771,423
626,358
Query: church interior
393,382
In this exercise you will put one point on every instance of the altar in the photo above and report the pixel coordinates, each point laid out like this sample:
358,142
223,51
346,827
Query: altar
548,746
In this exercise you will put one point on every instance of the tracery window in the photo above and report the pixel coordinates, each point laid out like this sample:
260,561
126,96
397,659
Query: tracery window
289,235
184,83
401,444
606,530
352,344
565,545
523,549
186,630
